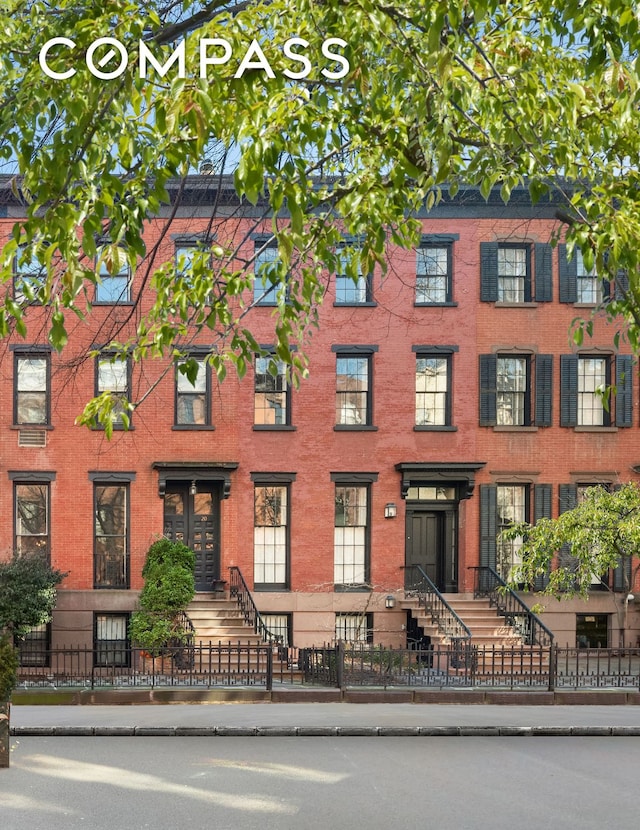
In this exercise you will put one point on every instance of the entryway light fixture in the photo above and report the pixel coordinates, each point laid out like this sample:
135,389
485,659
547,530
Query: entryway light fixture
193,489
390,510
390,601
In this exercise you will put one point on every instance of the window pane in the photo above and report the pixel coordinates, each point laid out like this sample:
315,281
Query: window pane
512,273
511,391
111,536
32,526
112,375
263,289
112,642
352,386
512,508
352,628
29,278
431,391
270,535
270,393
432,274
191,402
589,287
350,535
592,381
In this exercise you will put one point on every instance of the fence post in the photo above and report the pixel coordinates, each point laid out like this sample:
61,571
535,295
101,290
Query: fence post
340,664
269,668
553,669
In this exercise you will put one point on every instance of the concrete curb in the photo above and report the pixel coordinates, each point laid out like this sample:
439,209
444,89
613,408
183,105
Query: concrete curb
326,731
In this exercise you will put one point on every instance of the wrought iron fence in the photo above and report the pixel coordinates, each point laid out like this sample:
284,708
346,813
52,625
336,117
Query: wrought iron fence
461,665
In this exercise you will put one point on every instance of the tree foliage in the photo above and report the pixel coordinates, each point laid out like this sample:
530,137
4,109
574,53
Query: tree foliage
599,535
27,594
462,92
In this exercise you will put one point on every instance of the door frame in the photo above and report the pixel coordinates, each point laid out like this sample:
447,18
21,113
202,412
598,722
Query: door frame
447,563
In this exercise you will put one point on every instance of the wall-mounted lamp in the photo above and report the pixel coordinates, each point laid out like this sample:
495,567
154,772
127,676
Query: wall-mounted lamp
193,489
390,510
390,601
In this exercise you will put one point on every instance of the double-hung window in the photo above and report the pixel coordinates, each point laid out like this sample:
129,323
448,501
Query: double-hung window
513,508
32,524
112,647
114,278
352,286
433,390
584,381
515,273
516,390
354,386
265,285
588,284
112,376
31,390
351,559
29,276
272,396
193,395
111,535
433,274
270,534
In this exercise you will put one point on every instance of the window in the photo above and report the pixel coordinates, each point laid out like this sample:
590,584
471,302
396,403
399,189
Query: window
433,390
508,274
112,646
354,628
114,280
31,518
31,399
588,285
113,377
271,393
111,538
500,506
193,398
580,285
353,390
193,270
513,507
35,645
280,626
351,536
592,630
583,383
592,382
265,285
29,277
516,390
433,275
352,286
270,536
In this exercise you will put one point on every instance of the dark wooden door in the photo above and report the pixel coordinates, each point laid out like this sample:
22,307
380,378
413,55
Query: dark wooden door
194,520
425,545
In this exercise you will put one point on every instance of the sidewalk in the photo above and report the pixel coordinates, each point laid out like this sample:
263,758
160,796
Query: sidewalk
326,719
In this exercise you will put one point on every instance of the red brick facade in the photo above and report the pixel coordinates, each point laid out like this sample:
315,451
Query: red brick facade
312,457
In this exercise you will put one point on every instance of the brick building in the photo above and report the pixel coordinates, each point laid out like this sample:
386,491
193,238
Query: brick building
442,402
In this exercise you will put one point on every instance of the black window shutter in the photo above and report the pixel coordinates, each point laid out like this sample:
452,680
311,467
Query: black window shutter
488,382
541,510
624,390
568,274
543,279
488,525
622,284
568,498
544,389
489,272
622,575
568,390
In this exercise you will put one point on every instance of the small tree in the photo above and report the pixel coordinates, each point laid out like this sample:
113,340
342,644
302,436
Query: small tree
602,533
169,587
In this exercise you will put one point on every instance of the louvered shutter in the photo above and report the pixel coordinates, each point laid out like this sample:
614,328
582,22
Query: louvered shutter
489,271
488,383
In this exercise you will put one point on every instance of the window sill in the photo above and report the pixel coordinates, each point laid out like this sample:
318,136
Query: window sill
595,429
265,587
352,589
434,428
448,304
192,427
32,426
368,304
525,304
117,428
514,428
354,428
273,428
109,303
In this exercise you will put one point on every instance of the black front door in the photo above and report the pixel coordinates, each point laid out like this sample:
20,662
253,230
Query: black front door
194,520
430,544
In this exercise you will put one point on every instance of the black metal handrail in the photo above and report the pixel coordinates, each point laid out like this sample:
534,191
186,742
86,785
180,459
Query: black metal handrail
516,613
442,614
239,590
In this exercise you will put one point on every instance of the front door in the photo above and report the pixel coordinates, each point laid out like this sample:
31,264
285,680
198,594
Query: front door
193,519
430,543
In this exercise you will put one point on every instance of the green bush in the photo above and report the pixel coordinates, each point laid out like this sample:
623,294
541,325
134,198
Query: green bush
169,586
8,667
27,593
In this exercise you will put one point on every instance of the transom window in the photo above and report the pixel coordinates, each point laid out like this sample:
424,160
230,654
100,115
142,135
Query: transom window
351,535
31,389
271,393
31,519
512,386
432,390
433,275
514,285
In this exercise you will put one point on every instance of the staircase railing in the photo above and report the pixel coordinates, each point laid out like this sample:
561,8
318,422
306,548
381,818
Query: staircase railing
239,590
442,614
508,604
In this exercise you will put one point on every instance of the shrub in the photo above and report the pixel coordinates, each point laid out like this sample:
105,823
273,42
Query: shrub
8,667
